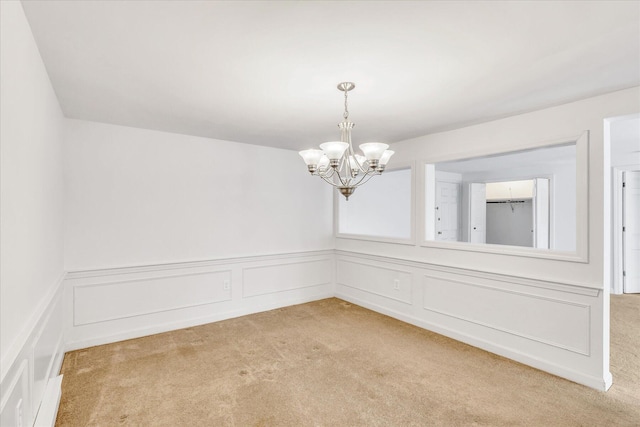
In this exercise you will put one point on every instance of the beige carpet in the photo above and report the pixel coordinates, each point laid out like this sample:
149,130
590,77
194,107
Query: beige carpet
332,363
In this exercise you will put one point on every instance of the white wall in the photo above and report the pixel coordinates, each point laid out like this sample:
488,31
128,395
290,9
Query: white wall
139,197
504,302
31,212
380,208
166,231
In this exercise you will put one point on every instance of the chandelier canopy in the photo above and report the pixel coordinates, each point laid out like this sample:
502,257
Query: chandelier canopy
338,164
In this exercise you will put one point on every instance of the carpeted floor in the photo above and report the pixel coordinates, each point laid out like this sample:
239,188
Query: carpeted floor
335,364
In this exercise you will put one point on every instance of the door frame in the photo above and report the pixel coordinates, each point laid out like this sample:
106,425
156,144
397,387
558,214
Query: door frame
616,224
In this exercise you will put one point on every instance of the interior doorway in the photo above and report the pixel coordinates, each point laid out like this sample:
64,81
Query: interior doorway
624,139
447,211
515,213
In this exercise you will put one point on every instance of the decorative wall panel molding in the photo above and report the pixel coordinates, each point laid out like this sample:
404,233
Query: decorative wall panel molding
190,265
557,322
544,324
286,276
565,286
392,283
114,304
35,361
100,302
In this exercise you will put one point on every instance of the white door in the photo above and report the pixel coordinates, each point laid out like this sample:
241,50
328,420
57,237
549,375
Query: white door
540,213
447,209
477,213
631,232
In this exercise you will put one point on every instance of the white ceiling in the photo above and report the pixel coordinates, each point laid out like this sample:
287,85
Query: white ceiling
265,72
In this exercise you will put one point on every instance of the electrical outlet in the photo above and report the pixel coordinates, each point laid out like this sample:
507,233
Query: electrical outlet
226,285
19,422
396,284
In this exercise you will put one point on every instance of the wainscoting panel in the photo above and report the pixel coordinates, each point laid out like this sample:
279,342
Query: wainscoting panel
33,363
47,348
16,408
388,282
136,297
543,324
565,324
115,304
284,277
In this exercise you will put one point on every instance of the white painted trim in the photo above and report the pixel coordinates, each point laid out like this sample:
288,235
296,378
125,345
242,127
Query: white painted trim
146,279
404,301
411,240
50,403
585,352
171,326
602,384
617,222
321,283
564,286
136,268
22,370
225,304
581,255
27,331
171,265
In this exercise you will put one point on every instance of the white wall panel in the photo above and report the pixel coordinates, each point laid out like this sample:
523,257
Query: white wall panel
47,351
388,282
136,297
15,406
114,304
283,277
36,363
561,323
544,324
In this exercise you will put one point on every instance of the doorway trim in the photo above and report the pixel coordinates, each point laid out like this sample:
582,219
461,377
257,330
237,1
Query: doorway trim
616,223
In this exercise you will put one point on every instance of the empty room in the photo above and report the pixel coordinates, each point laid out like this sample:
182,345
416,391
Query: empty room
336,213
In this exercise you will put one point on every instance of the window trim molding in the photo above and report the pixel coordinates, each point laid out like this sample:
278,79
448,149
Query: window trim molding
580,255
411,240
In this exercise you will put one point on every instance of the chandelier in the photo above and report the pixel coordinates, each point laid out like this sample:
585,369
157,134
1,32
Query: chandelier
338,164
